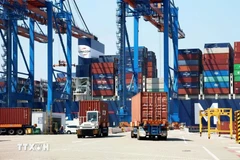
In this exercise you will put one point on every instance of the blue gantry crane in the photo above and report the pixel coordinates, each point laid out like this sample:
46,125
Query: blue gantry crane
164,16
54,15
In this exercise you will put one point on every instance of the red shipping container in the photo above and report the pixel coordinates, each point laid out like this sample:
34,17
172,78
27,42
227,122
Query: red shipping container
188,91
188,56
102,65
188,68
91,105
150,108
149,64
216,56
236,61
103,70
216,91
225,126
106,92
236,90
215,67
237,84
150,74
215,62
237,55
236,46
103,81
129,75
21,116
149,69
128,81
188,80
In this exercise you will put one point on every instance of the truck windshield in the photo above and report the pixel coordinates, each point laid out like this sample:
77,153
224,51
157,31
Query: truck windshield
92,116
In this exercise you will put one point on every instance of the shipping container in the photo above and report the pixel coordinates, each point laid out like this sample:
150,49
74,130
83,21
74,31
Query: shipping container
236,66
128,81
188,62
217,79
188,74
155,90
188,80
103,76
189,57
226,126
102,65
93,105
216,84
236,60
188,68
216,56
236,47
215,62
154,86
83,70
188,85
103,81
103,92
15,116
216,91
236,72
189,51
103,87
236,90
150,108
108,58
237,84
215,67
216,73
103,70
130,75
155,80
189,91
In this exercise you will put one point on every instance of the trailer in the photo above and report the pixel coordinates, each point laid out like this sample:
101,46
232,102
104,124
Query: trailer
149,115
93,119
15,120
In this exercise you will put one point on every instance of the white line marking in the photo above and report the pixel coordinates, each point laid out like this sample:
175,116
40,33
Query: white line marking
210,153
41,142
184,140
234,147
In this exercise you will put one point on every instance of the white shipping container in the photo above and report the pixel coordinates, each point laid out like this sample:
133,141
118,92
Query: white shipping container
87,52
155,86
155,80
39,118
216,50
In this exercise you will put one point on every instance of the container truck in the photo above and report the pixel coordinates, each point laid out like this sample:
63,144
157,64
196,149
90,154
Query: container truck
15,120
93,118
150,115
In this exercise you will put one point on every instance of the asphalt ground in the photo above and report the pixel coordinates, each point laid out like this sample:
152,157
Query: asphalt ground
180,145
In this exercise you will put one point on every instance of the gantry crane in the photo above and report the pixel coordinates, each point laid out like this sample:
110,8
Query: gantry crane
54,16
164,16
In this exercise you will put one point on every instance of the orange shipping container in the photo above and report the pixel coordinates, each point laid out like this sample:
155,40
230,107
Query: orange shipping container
102,65
94,105
150,108
15,116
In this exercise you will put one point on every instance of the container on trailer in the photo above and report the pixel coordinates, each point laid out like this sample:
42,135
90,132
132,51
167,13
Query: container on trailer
15,116
150,108
215,67
93,105
216,91
190,91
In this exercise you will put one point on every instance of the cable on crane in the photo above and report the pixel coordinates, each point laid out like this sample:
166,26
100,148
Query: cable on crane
69,6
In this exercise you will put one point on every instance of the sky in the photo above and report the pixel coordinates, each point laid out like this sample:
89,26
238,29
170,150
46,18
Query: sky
202,21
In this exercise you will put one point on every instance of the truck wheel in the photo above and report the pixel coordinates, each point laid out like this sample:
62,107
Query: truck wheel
68,132
11,131
78,136
20,132
105,134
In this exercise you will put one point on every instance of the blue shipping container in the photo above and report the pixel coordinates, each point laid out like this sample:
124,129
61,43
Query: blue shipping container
189,51
83,61
188,62
103,76
216,73
217,45
103,87
188,85
108,58
216,85
83,70
188,74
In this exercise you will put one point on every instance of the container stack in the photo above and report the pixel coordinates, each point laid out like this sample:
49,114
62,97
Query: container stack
151,65
189,61
236,71
154,84
103,78
216,65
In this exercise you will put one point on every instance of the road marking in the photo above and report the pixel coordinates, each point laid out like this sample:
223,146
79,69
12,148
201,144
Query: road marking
210,153
76,141
234,147
184,140
41,142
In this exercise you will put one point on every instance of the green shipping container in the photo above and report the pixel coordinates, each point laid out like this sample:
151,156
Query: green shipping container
217,79
236,78
236,66
236,72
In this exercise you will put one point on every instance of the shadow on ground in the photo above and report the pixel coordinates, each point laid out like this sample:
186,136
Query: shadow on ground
4,140
168,139
109,136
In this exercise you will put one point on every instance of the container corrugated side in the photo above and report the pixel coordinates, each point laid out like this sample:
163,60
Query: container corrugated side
216,85
217,79
96,105
15,116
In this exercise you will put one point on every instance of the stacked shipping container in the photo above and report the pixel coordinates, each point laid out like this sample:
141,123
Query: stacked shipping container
189,61
103,78
154,84
151,65
216,65
236,68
